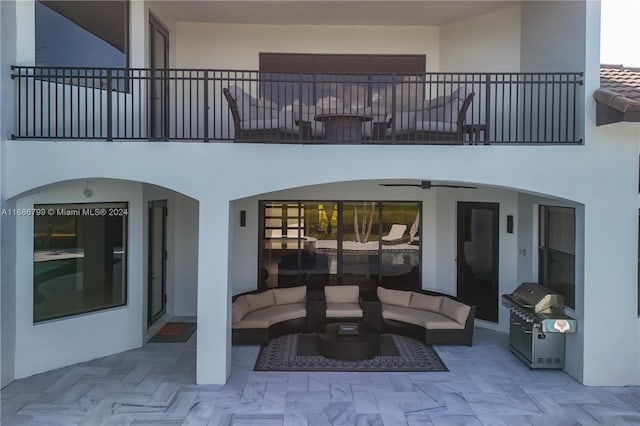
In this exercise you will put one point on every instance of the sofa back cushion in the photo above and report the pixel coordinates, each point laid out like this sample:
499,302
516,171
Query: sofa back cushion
446,108
425,302
250,108
455,310
260,300
394,297
290,295
239,309
341,293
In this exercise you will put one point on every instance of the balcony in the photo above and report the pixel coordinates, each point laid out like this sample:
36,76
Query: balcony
202,105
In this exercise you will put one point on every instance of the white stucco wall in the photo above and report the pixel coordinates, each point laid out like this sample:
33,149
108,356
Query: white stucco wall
553,35
236,46
86,336
488,43
184,219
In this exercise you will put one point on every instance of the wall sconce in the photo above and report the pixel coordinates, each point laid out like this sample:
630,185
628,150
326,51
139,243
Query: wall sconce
243,218
509,224
87,192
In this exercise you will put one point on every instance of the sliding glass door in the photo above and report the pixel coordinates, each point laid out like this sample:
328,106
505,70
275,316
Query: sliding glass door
339,242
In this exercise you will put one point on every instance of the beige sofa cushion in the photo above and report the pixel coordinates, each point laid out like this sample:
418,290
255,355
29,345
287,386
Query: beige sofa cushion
455,310
394,297
239,309
344,310
290,295
425,302
435,321
419,317
266,317
341,293
260,300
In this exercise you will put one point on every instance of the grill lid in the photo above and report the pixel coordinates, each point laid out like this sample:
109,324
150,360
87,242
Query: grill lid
537,298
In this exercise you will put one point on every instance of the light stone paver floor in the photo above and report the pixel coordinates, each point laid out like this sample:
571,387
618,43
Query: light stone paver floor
154,385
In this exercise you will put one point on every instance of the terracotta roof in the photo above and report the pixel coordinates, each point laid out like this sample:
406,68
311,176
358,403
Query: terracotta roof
619,88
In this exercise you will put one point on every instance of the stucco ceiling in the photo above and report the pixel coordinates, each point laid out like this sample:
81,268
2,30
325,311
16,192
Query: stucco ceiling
314,12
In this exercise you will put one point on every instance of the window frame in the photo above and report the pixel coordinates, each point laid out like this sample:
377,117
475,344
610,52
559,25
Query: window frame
43,210
124,74
544,250
339,208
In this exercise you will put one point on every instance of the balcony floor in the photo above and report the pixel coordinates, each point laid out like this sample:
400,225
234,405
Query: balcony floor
486,385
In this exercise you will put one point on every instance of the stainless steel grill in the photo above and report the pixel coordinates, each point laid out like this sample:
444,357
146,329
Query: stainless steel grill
538,325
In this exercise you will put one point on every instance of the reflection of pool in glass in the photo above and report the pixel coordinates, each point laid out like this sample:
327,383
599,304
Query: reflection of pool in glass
60,288
49,269
44,271
365,263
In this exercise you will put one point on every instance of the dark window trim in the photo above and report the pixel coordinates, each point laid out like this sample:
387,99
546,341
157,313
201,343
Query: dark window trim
339,206
125,291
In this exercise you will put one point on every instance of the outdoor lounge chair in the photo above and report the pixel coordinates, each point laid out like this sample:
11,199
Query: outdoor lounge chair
439,120
444,122
395,235
259,119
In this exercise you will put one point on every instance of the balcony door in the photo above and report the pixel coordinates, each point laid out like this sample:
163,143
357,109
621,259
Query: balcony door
159,84
157,282
477,257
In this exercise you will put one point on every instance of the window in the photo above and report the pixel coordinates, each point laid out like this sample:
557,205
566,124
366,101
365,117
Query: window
340,242
81,33
75,34
557,251
79,259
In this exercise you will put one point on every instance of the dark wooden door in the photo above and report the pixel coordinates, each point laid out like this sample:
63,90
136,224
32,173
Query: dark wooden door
477,257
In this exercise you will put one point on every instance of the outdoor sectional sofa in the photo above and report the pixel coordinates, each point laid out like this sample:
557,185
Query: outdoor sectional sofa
431,317
261,315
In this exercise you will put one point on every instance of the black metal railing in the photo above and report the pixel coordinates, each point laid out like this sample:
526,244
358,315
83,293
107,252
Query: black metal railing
226,105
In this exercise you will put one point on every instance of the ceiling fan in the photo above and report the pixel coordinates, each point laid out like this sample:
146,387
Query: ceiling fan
427,184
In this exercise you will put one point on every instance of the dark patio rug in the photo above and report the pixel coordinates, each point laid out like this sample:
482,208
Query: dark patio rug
297,352
174,332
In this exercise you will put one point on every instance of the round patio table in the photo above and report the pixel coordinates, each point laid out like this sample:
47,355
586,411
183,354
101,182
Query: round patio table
343,127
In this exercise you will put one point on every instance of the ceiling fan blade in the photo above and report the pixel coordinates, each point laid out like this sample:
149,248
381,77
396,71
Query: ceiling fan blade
427,184
452,186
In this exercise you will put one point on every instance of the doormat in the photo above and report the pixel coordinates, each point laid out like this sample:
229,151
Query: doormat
173,332
297,352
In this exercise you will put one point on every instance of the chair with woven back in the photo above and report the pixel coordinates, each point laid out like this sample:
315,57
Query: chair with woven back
259,120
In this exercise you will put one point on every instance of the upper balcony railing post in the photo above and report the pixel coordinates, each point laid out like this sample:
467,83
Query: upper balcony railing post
205,106
299,122
487,107
109,105
393,108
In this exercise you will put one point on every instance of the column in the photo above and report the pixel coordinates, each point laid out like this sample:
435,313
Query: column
213,354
